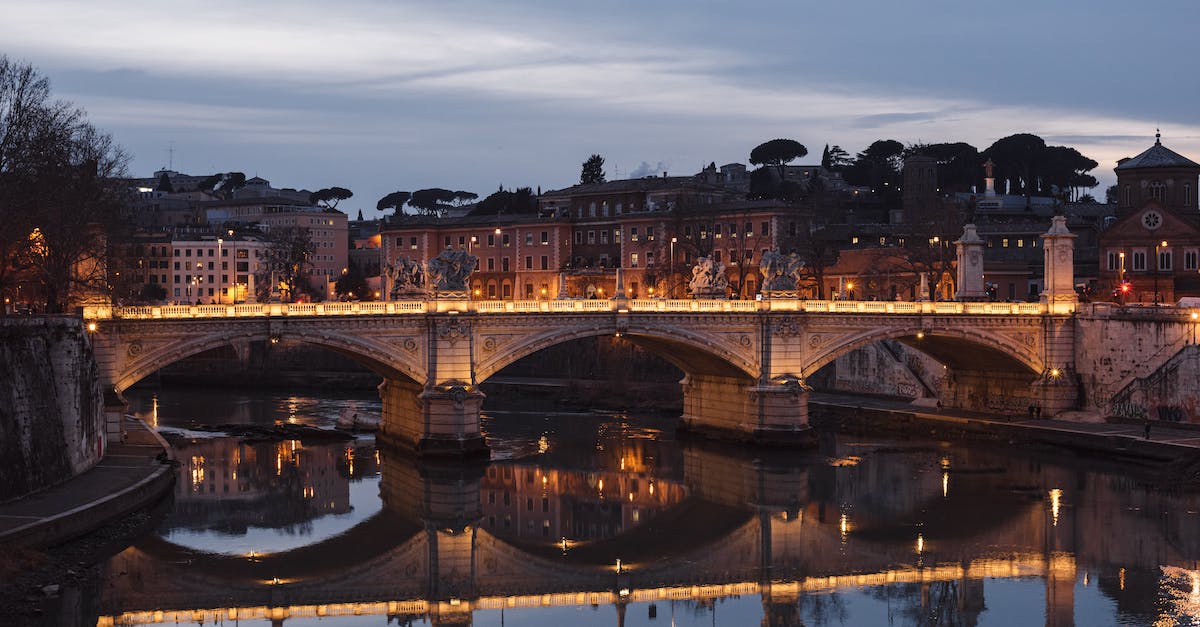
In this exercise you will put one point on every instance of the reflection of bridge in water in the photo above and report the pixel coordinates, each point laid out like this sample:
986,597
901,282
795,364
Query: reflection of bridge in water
737,526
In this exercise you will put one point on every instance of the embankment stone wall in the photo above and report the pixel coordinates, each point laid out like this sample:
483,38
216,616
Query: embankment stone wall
51,404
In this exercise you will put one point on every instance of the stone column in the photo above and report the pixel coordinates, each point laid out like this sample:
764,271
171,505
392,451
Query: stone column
970,265
773,412
1058,245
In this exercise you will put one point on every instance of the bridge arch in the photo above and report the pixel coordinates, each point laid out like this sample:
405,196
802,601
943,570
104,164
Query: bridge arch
690,351
377,355
990,350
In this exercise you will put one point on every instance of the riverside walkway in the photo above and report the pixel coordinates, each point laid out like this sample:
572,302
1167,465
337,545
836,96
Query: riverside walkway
130,476
1166,441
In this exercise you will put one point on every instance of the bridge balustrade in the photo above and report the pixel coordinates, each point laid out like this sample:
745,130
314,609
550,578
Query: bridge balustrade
104,312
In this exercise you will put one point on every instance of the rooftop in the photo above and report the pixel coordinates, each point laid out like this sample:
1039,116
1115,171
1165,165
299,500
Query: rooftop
1157,156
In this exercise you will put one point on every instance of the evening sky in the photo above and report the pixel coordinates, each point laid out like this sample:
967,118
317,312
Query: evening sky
464,94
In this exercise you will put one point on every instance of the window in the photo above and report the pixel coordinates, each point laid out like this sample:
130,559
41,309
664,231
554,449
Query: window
1127,192
1164,260
491,264
491,239
529,238
176,263
504,267
1190,259
210,252
591,237
1114,260
791,228
749,230
578,237
1004,242
447,241
1139,260
1157,190
545,262
1020,243
504,241
633,234
616,236
604,236
766,228
462,241
649,234
716,231
687,231
528,262
545,238
717,256
854,240
650,259
187,253
633,260
412,243
732,230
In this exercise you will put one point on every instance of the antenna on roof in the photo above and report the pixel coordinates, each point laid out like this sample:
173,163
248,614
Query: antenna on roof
171,155
1157,135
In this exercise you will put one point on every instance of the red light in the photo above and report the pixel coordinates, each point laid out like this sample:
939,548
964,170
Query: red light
1125,287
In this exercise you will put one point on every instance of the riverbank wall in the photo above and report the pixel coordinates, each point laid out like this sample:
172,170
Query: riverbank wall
52,421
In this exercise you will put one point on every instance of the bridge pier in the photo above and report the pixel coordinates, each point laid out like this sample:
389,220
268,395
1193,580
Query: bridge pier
732,408
433,420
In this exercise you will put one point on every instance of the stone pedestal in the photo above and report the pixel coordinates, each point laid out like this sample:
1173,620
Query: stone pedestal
970,265
435,420
1058,245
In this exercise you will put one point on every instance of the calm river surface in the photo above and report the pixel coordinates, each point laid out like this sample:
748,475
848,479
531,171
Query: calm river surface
607,519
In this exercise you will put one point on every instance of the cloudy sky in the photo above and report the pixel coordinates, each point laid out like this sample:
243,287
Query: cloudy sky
381,96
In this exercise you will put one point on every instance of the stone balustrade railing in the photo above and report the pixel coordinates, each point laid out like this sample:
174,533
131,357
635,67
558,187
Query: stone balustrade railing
101,312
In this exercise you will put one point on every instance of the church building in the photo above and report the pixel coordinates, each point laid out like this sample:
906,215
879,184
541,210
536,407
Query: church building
1151,254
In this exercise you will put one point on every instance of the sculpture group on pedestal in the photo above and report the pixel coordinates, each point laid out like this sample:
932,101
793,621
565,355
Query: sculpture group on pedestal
708,279
780,274
448,272
407,279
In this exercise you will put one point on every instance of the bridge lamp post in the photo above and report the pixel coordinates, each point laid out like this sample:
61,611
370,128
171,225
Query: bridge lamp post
1157,267
671,271
1121,286
850,289
220,277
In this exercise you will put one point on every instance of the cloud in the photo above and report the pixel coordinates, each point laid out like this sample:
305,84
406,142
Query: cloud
645,169
886,119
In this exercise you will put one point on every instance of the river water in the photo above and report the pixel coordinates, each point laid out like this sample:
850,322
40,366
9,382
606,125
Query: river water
609,519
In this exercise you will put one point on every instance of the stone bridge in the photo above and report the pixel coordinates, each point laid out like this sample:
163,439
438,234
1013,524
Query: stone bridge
745,362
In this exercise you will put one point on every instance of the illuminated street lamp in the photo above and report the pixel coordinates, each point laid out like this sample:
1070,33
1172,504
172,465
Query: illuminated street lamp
220,277
671,272
1157,267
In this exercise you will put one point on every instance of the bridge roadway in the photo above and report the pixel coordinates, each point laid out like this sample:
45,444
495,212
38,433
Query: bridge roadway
775,526
745,362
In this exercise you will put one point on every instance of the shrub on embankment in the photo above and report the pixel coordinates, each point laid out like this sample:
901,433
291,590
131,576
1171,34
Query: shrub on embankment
51,404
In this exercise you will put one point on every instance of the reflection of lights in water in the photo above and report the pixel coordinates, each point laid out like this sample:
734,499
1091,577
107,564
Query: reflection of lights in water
920,543
618,565
1055,501
545,480
844,527
1180,590
600,487
197,472
350,460
154,411
631,497
378,470
543,444
1085,579
622,463
945,462
945,484
309,492
292,408
1121,577
651,488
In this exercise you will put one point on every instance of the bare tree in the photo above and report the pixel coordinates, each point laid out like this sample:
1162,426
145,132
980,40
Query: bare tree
288,264
61,190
